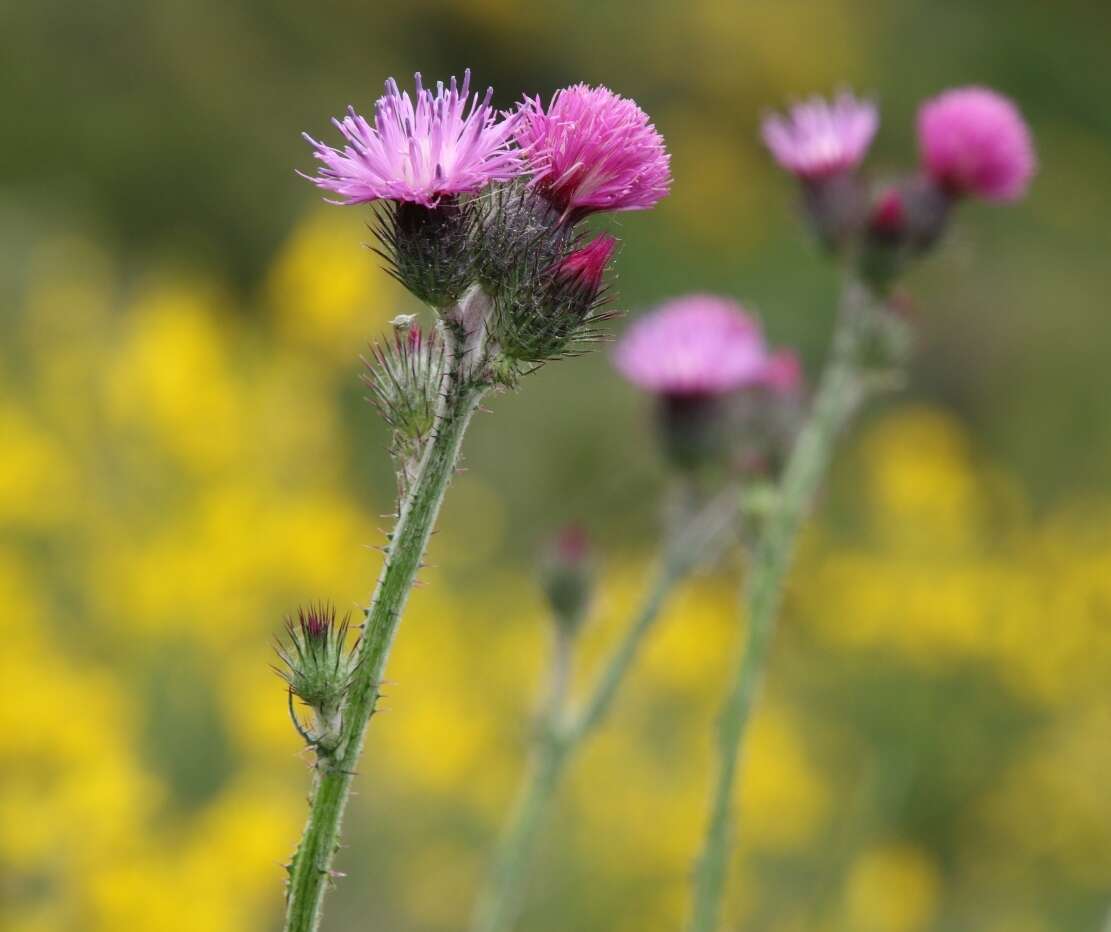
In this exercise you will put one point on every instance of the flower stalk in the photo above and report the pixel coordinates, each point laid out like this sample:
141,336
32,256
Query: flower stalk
561,734
310,870
842,388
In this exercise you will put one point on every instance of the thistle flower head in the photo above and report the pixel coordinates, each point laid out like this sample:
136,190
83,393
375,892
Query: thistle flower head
429,250
905,219
315,623
404,375
567,574
975,141
553,308
593,150
819,138
316,662
419,152
695,346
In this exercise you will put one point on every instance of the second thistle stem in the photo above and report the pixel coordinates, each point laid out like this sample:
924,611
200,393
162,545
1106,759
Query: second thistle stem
560,735
499,906
838,395
311,868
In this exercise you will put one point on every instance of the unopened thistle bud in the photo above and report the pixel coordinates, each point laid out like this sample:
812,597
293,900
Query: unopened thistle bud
567,574
520,232
554,311
405,375
904,221
317,666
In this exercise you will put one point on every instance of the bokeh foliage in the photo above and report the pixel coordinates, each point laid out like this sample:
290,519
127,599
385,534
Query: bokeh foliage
187,455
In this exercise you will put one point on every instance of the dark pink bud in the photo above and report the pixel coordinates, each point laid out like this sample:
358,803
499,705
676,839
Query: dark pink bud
567,574
585,267
783,372
889,215
572,544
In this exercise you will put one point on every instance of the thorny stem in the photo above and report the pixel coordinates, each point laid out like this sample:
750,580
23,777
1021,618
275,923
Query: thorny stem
561,734
840,392
310,871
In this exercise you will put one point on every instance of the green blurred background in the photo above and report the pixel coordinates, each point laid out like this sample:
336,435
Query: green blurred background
187,455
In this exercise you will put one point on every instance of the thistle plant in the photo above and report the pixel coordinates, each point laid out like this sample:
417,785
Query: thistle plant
477,214
973,142
705,362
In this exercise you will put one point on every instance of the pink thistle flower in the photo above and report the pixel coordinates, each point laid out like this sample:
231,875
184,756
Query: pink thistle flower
782,372
817,138
594,150
974,141
419,152
583,269
695,346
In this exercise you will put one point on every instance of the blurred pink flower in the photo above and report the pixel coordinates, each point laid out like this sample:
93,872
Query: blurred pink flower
818,138
594,150
585,267
974,141
419,153
698,345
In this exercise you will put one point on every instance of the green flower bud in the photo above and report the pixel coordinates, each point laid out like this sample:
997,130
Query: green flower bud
405,376
567,574
317,666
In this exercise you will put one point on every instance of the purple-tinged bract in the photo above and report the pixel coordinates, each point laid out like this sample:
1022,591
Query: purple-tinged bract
594,150
974,141
695,346
819,138
419,152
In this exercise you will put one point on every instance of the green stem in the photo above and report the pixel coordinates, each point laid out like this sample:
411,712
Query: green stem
510,866
499,906
839,393
311,868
